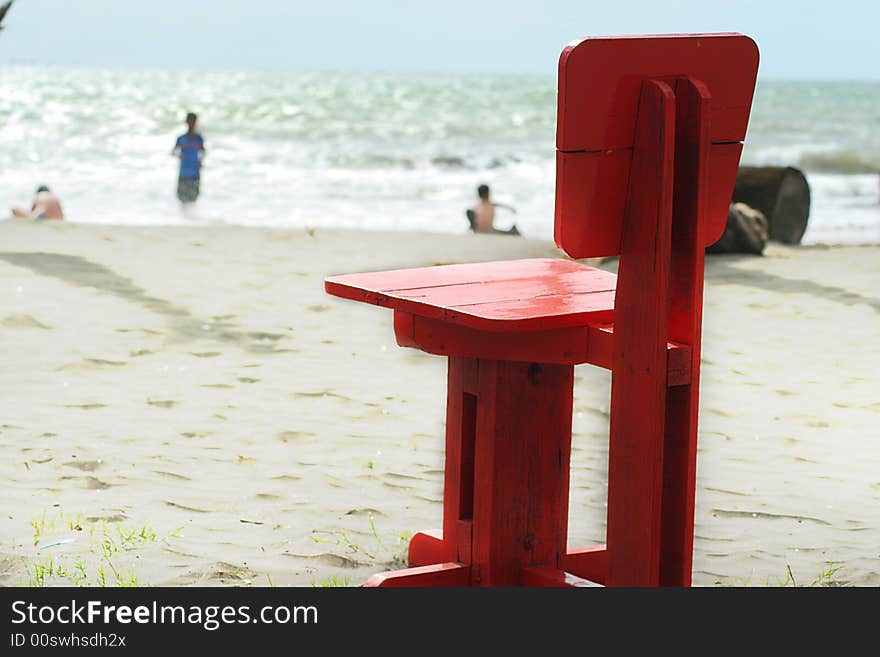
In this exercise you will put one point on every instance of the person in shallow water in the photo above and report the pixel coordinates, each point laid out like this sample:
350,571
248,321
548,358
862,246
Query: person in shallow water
45,206
482,215
190,149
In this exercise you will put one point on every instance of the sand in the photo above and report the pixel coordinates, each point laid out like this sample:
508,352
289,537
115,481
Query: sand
187,406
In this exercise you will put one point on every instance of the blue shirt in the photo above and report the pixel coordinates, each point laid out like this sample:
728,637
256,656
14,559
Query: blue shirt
190,149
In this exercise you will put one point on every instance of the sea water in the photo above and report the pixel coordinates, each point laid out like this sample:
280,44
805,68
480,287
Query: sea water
373,151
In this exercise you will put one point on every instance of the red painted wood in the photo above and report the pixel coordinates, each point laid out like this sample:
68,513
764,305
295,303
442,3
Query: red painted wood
567,346
635,455
648,151
525,295
590,563
587,219
691,195
426,548
462,385
523,445
721,177
599,86
601,353
553,577
593,343
437,575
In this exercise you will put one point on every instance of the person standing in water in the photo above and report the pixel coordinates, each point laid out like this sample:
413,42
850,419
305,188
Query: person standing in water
482,215
190,149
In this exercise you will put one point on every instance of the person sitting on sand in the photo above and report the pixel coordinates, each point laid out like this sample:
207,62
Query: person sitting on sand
190,149
482,215
45,206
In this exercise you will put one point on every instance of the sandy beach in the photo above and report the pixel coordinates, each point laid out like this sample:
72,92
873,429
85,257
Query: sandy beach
187,406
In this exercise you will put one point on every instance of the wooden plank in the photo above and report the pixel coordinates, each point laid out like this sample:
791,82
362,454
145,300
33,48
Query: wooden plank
437,575
508,304
593,344
440,275
718,189
567,346
600,78
599,87
584,280
427,547
590,563
691,195
462,385
541,313
516,315
638,385
553,577
591,192
601,353
521,463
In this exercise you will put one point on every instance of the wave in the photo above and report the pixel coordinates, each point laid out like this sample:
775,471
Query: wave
840,161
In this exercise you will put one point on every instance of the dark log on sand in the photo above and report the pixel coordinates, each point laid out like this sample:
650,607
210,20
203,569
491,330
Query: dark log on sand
781,194
746,231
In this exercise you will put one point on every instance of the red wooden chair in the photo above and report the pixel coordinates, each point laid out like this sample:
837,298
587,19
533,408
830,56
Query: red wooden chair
648,145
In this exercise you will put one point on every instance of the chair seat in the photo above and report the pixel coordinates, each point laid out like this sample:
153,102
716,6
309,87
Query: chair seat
513,296
540,309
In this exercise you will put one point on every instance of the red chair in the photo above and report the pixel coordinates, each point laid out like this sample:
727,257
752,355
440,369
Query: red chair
649,138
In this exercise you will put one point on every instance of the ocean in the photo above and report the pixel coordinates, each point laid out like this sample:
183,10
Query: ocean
374,151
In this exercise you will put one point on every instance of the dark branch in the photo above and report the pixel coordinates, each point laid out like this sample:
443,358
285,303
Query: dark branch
3,11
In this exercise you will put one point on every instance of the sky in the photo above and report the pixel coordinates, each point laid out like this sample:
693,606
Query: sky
804,39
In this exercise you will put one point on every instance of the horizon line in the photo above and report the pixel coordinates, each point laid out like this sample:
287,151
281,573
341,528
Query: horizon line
363,71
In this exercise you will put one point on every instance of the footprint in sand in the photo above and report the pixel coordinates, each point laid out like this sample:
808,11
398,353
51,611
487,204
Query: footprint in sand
287,478
100,362
86,407
216,385
116,517
138,330
263,336
183,507
245,379
140,352
24,322
290,436
367,512
162,403
85,466
784,393
90,483
320,393
196,434
326,559
90,364
319,308
171,475
205,354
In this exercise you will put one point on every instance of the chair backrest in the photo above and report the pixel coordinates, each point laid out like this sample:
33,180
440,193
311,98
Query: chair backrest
600,81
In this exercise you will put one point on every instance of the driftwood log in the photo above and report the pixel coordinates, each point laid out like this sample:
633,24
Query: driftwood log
781,194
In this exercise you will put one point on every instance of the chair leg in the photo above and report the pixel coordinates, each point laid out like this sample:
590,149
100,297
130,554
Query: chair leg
437,575
426,548
553,577
590,563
